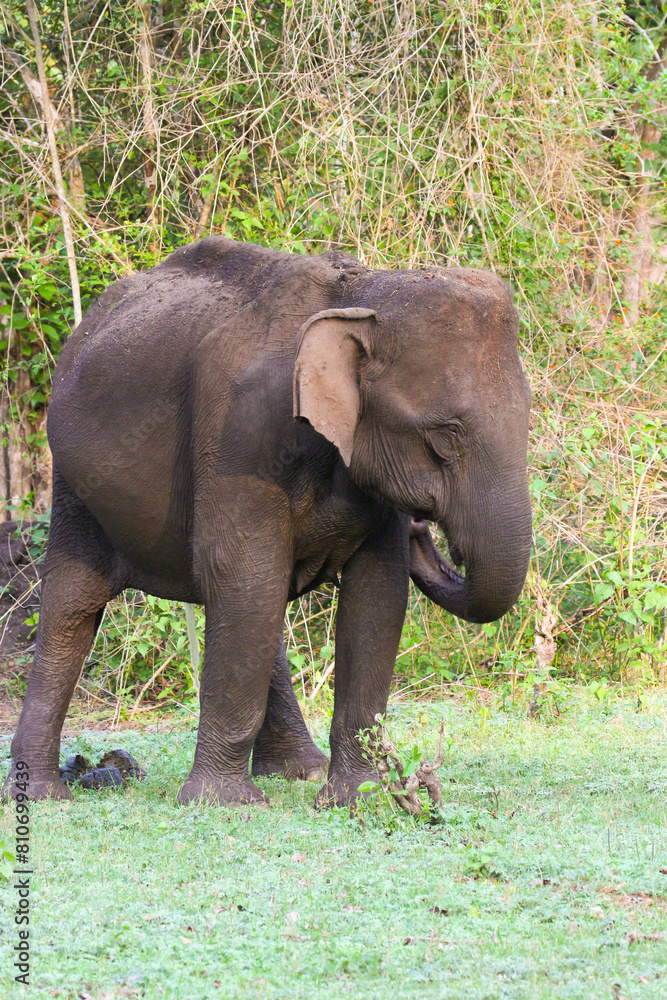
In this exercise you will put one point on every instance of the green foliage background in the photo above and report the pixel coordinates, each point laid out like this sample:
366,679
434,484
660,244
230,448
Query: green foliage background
526,137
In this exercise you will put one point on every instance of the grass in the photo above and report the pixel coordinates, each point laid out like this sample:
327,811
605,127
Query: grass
543,878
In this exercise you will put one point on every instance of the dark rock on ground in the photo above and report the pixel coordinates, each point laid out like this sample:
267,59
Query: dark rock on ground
102,777
113,770
74,768
125,762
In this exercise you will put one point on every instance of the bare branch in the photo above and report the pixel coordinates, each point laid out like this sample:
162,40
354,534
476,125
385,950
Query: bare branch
33,85
47,109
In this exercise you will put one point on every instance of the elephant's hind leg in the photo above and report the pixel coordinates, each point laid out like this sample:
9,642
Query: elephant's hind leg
283,745
77,583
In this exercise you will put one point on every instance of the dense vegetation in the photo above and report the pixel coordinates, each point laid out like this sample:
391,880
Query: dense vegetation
526,137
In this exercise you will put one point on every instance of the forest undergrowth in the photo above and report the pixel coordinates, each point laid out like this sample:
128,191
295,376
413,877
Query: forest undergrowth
527,138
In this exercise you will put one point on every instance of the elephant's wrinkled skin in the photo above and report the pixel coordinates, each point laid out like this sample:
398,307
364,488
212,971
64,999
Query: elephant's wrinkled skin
239,425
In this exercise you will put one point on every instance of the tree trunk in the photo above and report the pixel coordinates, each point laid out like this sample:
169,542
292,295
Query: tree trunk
4,455
47,109
25,467
146,59
207,206
643,269
42,469
18,454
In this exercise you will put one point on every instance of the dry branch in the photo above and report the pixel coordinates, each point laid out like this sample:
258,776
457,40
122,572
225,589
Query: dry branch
544,646
33,85
150,130
48,112
405,791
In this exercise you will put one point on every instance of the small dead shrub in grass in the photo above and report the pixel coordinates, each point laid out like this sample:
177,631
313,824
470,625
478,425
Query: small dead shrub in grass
404,776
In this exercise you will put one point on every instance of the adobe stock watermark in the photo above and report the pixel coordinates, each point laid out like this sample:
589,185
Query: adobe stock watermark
22,873
120,456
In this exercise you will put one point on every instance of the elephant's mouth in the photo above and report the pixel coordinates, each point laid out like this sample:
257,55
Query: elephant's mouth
425,552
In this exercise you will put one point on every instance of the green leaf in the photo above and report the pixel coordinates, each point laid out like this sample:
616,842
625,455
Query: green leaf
656,597
47,291
538,485
602,591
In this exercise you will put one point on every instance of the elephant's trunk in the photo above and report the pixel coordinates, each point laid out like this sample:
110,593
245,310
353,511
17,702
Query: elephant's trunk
495,553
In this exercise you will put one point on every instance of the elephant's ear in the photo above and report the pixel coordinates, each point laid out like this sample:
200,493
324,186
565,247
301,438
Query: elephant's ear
326,374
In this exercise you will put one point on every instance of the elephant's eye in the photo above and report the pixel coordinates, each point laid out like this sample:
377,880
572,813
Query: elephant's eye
446,441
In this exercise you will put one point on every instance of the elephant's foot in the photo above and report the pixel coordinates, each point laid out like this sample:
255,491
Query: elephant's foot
228,791
294,762
342,789
40,785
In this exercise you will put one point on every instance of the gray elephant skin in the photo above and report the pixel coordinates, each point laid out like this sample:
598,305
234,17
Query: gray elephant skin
240,425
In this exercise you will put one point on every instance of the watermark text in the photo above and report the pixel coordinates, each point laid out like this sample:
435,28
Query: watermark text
22,873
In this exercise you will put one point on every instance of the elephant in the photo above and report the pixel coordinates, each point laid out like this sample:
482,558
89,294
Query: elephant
240,425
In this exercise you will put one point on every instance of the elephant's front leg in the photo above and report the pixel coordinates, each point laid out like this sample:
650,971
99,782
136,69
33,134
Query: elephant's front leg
371,610
244,596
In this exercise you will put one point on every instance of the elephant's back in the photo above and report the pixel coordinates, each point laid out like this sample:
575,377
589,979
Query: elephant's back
133,347
120,410
150,322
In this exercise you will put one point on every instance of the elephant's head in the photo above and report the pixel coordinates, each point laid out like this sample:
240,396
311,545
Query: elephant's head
423,392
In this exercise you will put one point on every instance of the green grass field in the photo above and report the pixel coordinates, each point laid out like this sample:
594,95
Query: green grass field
546,876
